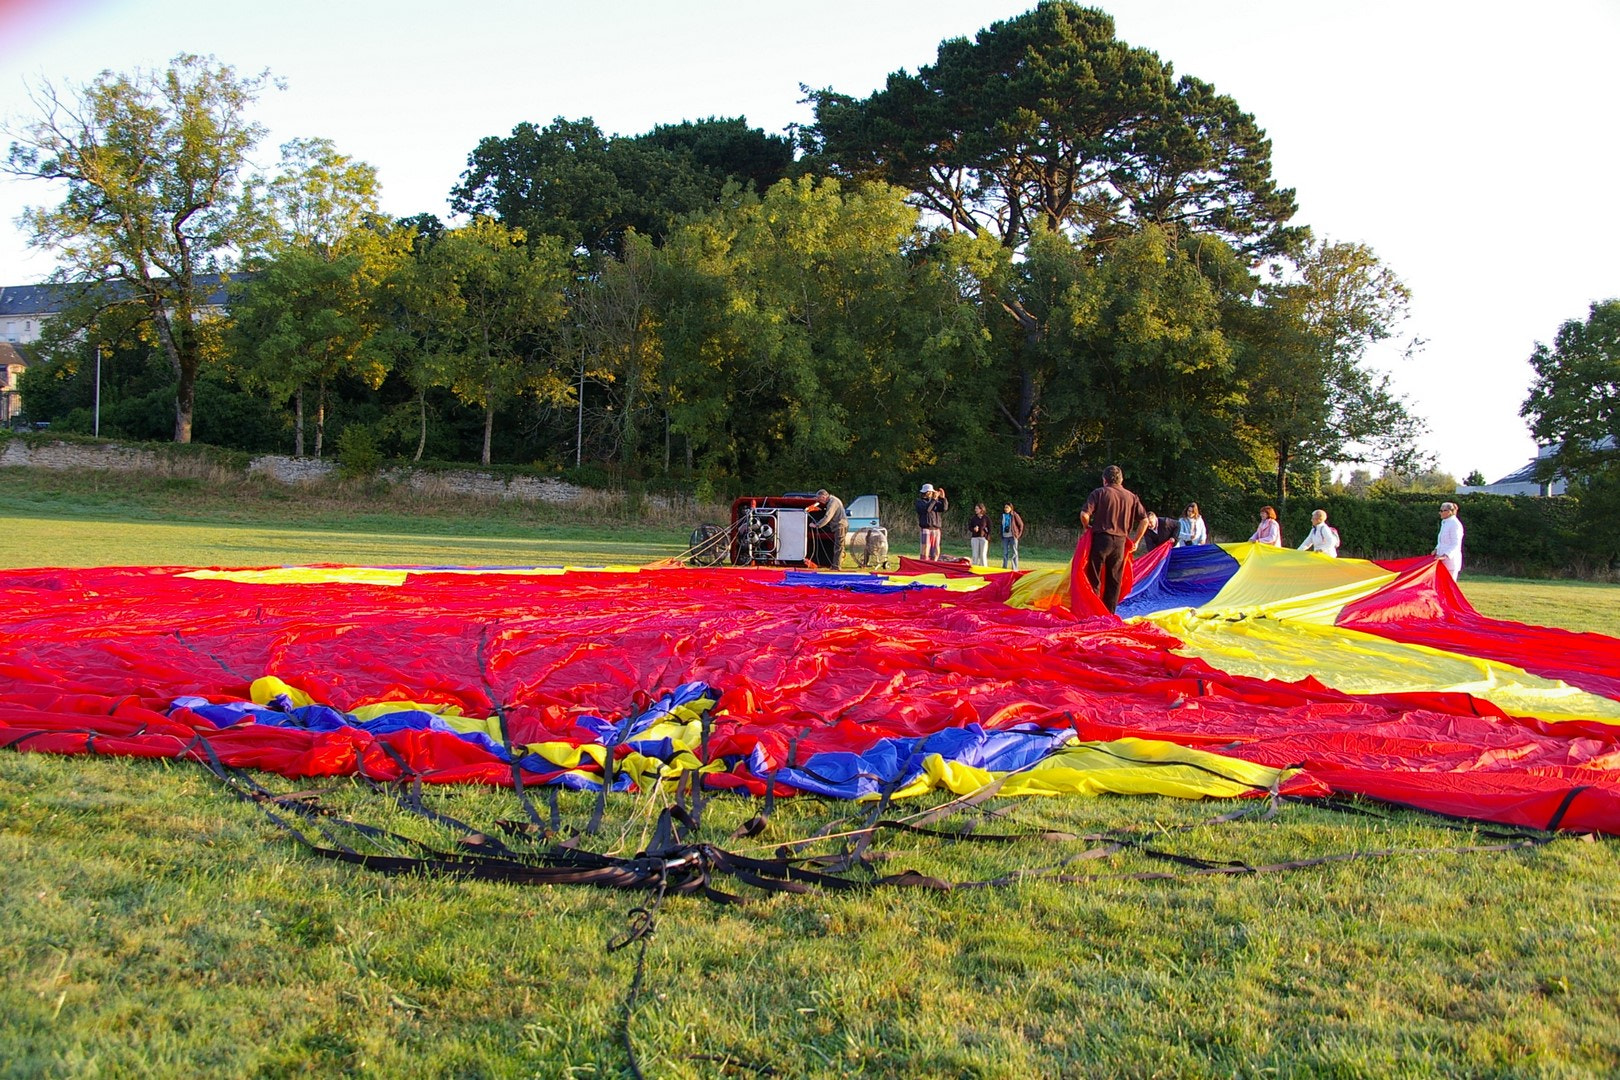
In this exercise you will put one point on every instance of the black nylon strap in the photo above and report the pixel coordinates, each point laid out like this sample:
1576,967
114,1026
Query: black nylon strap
1563,807
24,737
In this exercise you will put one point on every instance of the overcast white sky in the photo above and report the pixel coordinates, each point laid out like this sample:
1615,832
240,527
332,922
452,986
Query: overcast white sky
1471,145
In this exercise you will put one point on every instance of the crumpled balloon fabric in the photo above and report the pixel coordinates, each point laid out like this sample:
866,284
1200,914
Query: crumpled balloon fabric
1232,670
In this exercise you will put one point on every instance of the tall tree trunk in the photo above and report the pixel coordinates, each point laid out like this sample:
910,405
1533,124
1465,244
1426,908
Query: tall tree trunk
1024,416
184,400
320,418
1028,405
421,440
629,437
182,353
1282,479
298,425
489,426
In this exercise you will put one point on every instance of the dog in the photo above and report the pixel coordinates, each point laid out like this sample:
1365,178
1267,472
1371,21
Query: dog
870,547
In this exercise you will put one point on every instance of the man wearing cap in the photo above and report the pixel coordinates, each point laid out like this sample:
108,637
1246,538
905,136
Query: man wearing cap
931,506
1117,519
834,519
1449,547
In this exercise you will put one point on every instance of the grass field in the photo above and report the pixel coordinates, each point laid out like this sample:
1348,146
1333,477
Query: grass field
152,925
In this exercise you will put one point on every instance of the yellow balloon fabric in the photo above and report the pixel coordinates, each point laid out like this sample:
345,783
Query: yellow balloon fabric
306,575
267,688
1120,767
1287,584
1359,663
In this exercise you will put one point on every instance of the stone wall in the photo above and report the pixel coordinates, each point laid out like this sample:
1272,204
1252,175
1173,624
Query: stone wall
289,470
59,455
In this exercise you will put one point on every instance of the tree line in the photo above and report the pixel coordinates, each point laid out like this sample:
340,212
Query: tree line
1043,252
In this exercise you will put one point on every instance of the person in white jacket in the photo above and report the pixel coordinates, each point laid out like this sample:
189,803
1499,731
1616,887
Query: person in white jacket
1323,538
1190,530
1449,547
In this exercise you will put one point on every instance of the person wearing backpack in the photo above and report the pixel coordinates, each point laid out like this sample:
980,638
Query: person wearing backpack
1012,530
1323,538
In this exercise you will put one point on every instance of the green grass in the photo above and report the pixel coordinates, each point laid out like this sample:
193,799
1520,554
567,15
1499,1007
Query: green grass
1573,605
152,925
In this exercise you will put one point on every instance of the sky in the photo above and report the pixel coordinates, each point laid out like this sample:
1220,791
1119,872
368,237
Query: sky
1471,145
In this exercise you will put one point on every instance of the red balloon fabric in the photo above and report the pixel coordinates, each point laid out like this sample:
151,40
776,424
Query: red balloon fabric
138,661
1424,606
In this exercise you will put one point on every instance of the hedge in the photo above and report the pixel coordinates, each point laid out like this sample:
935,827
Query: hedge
1523,535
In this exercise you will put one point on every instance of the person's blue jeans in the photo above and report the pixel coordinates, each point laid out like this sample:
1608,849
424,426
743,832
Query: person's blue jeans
1009,552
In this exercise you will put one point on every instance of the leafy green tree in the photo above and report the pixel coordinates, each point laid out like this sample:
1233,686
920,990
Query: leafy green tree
1202,165
1475,479
321,199
815,327
306,318
614,333
1143,373
1574,399
426,229
152,164
1010,132
1311,397
310,313
1047,121
571,181
61,375
727,149
1406,482
413,307
501,309
1048,124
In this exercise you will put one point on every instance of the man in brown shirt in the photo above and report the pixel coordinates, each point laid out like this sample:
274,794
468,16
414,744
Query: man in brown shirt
1117,519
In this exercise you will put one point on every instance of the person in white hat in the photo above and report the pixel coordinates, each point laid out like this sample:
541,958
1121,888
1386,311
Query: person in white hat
931,505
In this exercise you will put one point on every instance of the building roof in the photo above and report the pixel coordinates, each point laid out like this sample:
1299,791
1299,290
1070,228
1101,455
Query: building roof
11,356
18,300
1526,475
49,298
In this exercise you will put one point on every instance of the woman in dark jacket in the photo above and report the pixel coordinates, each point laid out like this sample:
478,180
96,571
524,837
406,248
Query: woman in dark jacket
979,536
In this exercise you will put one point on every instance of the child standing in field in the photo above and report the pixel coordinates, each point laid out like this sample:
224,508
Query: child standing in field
979,536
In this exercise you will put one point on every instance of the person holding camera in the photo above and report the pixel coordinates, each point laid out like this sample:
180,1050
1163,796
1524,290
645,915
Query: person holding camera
931,507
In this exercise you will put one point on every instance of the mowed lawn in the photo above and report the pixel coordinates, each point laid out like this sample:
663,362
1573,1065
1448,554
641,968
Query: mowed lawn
153,925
